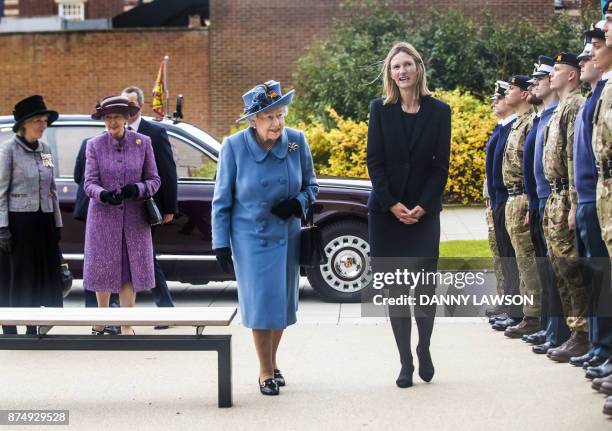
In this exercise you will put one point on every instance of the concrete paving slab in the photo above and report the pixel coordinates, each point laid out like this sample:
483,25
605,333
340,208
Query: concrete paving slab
338,378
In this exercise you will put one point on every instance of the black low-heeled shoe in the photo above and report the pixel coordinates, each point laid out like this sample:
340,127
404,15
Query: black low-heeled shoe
404,380
280,380
268,387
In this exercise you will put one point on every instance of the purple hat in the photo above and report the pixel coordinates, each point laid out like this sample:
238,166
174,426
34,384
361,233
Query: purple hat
114,105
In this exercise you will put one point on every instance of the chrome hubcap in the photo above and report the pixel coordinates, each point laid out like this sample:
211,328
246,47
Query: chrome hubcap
348,264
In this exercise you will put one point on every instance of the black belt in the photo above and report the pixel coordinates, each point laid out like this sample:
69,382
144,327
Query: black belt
559,185
516,189
604,169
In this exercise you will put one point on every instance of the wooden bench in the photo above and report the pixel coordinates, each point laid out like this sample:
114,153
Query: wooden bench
199,317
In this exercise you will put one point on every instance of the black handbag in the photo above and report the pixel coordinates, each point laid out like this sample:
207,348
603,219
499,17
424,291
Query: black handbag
67,278
312,253
154,216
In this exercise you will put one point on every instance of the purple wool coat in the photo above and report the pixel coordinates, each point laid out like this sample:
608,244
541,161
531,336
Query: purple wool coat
110,166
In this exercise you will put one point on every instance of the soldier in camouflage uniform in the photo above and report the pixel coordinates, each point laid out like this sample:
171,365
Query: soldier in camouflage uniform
517,206
559,171
602,137
602,148
499,275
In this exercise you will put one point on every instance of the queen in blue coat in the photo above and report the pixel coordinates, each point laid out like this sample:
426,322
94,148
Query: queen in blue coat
265,183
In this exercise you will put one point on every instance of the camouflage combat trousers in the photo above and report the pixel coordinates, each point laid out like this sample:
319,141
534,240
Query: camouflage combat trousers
604,210
520,235
499,275
563,256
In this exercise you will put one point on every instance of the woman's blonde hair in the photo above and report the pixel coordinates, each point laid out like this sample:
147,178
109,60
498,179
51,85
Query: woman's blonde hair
391,93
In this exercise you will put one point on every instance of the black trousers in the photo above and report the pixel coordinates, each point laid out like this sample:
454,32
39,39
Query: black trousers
596,269
544,268
508,257
161,293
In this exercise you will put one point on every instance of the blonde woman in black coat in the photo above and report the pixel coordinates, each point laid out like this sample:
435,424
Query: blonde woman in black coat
408,153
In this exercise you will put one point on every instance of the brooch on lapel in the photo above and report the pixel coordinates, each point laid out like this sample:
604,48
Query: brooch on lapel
293,146
138,141
47,160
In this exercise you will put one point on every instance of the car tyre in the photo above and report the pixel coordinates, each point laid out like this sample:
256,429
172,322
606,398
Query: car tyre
347,270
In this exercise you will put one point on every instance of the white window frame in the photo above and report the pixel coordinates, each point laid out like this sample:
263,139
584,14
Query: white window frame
64,6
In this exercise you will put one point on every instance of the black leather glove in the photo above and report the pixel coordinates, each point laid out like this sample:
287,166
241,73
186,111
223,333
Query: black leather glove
288,208
110,198
130,191
6,240
224,257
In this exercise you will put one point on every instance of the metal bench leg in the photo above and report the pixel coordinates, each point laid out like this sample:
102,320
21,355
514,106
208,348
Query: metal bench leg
224,366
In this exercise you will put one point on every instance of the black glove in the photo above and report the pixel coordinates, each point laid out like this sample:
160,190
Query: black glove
224,257
110,198
288,208
6,240
130,191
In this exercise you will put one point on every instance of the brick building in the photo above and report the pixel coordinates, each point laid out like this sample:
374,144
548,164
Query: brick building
211,66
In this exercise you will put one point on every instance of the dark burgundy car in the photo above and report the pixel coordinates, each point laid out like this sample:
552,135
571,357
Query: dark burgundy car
184,246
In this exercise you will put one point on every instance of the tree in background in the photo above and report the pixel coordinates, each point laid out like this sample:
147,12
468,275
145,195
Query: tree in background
343,72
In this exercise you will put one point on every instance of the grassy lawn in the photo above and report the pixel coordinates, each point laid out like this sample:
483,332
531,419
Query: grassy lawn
465,248
465,254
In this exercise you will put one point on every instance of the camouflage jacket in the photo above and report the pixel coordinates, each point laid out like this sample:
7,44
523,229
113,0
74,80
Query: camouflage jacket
602,125
559,141
512,167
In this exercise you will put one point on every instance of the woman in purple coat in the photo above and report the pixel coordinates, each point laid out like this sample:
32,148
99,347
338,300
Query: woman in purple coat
120,173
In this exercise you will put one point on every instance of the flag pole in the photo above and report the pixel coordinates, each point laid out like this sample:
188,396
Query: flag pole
167,95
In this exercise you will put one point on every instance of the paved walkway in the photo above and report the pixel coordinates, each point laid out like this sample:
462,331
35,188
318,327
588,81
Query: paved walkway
340,370
463,223
339,377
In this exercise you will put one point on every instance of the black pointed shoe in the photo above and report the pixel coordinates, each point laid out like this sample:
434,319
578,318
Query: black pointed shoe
426,367
404,380
268,387
280,380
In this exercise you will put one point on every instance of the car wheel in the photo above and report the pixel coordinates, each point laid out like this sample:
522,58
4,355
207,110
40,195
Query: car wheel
347,270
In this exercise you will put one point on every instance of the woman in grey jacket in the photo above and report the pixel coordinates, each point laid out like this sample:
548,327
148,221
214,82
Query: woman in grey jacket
30,219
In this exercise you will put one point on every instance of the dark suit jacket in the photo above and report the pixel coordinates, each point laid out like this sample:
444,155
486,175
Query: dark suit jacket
82,201
166,196
413,172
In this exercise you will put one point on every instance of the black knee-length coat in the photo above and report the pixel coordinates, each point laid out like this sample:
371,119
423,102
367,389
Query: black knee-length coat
411,168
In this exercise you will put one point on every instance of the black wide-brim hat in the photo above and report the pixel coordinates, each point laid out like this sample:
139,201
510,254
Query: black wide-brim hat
31,107
114,105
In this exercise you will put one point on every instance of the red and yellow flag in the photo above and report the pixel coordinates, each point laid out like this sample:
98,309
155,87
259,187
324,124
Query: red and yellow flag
160,91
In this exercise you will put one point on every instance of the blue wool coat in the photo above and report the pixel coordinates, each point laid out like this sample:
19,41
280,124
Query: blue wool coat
265,248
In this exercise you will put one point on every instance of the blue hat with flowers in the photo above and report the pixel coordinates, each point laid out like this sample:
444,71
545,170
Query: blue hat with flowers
264,97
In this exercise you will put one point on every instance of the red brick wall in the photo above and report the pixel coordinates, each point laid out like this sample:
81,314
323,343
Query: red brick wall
103,8
255,40
217,66
93,8
29,8
73,70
